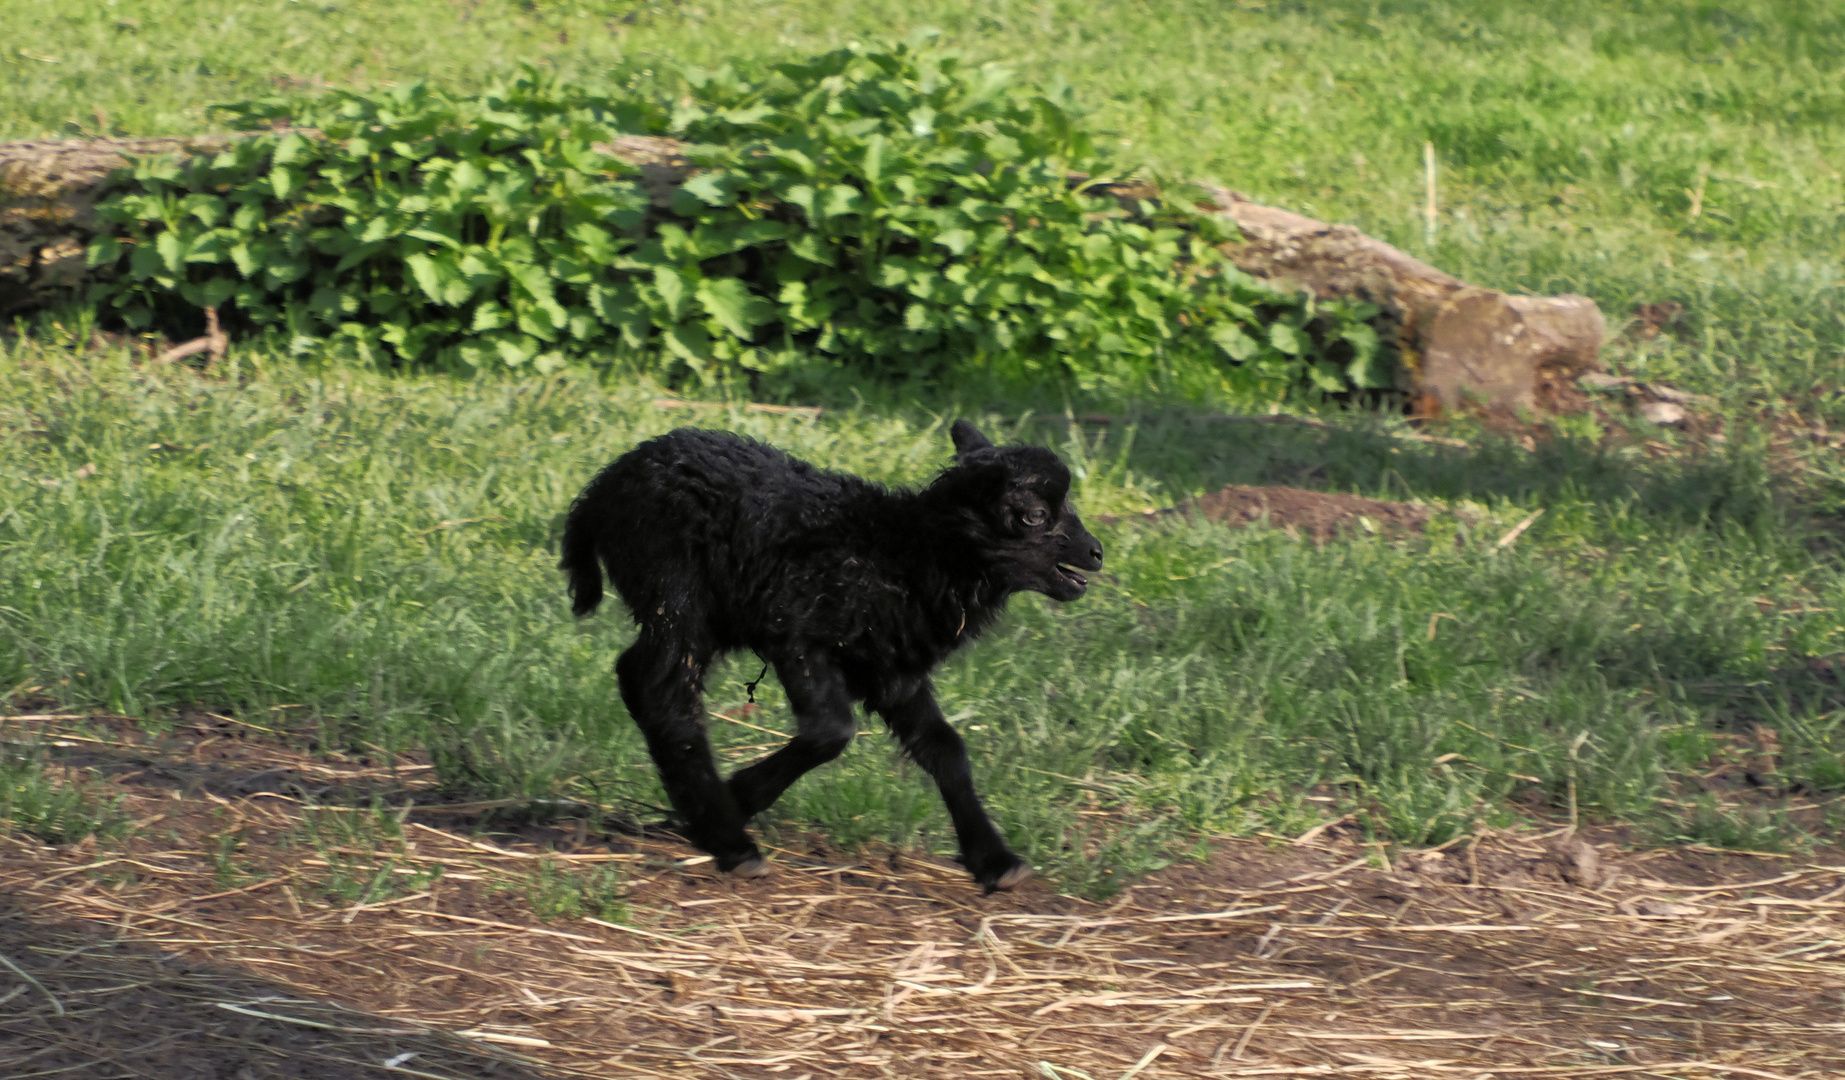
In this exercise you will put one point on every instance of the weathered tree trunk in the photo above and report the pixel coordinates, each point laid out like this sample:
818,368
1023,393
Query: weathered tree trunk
48,195
1460,343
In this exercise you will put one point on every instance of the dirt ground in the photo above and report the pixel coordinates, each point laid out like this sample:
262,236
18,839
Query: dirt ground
181,954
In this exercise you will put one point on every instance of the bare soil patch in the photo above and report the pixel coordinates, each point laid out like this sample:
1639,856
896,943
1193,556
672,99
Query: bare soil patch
1522,953
1313,515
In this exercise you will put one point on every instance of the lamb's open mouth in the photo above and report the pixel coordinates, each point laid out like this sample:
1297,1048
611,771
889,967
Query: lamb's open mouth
1070,573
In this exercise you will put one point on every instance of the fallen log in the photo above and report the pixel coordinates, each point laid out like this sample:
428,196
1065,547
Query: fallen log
48,194
1460,344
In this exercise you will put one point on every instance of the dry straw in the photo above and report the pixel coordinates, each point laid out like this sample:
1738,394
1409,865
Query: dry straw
1508,955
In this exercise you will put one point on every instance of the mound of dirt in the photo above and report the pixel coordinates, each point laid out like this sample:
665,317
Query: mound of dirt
1314,515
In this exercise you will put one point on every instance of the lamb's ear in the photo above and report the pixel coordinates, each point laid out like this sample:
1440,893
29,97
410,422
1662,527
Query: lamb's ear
967,438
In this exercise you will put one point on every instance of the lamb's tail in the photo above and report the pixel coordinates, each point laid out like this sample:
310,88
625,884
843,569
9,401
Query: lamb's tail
580,562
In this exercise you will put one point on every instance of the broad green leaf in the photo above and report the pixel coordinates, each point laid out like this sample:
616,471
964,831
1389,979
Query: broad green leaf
490,316
290,148
795,159
283,271
536,321
1284,338
812,248
690,342
715,188
456,289
673,291
1361,336
356,255
284,181
535,282
748,116
732,304
423,269
841,199
103,251
377,228
172,251
1325,378
207,208
874,158
1236,344
435,236
957,241
212,293
803,196
466,178
515,349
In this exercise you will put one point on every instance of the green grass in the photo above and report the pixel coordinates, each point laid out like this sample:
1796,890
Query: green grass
568,892
377,550
54,808
1570,135
361,850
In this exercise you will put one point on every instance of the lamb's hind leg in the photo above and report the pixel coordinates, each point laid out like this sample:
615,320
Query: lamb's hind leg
824,726
662,682
930,742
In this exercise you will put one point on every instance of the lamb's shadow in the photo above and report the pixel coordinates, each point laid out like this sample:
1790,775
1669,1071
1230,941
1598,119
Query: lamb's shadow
101,1006
1194,454
221,758
230,760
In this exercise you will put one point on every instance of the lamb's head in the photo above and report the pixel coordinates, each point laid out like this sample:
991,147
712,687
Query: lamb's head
1012,511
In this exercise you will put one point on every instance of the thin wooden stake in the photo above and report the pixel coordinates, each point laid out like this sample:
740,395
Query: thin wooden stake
1428,169
1518,530
1697,196
1575,748
215,342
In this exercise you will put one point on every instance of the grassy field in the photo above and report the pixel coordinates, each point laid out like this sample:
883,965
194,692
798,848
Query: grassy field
369,561
1572,138
366,559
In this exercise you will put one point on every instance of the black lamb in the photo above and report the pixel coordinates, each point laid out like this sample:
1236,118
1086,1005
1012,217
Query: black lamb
854,592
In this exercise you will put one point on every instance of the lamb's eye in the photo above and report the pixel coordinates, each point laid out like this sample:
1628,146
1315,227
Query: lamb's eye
1035,516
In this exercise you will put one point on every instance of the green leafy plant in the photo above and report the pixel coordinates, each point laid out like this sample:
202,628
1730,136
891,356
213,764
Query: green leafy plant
892,211
923,216
413,225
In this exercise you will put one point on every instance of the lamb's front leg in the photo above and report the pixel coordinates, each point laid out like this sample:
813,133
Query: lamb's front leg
930,742
661,682
824,727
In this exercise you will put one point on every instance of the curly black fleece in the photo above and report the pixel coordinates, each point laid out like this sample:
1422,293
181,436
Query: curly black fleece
853,591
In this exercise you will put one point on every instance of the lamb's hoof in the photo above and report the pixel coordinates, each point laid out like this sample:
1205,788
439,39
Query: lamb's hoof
1009,880
753,867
